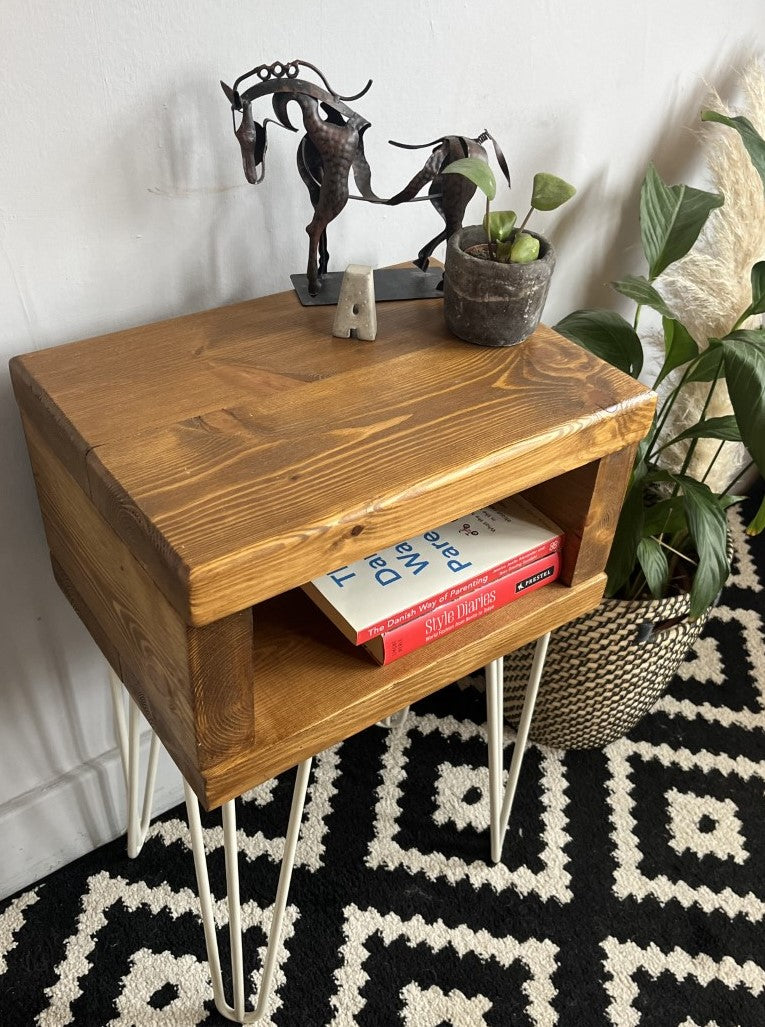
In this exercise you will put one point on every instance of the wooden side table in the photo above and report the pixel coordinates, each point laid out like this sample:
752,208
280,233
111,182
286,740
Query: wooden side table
193,473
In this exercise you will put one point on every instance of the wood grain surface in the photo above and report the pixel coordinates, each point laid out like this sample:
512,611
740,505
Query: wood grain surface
191,473
194,685
586,503
114,386
242,451
313,688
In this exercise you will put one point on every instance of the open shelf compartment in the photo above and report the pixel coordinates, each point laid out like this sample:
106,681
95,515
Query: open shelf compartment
312,687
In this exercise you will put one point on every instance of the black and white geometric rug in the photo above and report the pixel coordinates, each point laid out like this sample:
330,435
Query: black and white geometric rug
632,891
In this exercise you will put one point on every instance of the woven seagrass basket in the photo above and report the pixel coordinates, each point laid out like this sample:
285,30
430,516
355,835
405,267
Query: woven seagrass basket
603,671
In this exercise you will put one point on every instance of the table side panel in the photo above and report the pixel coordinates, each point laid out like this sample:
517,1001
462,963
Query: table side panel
586,503
50,422
91,622
176,673
221,671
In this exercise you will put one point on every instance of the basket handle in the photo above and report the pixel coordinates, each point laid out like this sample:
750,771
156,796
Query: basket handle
652,631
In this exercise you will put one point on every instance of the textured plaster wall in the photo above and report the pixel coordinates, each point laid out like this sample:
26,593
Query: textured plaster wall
122,201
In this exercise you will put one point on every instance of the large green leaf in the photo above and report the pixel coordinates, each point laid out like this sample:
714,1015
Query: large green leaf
758,521
549,191
750,137
724,428
658,474
639,289
667,516
708,528
708,367
758,288
671,218
606,334
653,563
679,347
745,375
753,335
639,468
728,499
477,170
629,532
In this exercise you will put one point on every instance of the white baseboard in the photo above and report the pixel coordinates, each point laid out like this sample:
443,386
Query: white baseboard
44,829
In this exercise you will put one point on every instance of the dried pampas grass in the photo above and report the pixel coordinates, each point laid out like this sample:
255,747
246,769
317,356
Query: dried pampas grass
710,287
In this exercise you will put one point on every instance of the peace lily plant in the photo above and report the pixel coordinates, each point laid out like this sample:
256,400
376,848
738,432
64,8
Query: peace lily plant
673,531
506,242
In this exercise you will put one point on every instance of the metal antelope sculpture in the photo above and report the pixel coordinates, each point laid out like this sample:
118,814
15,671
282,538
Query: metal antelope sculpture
449,194
333,146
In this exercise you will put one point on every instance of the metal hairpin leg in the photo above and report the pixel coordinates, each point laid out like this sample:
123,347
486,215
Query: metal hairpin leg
395,719
237,1011
128,739
501,805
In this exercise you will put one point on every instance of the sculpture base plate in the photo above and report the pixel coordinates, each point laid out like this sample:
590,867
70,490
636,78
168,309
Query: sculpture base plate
395,283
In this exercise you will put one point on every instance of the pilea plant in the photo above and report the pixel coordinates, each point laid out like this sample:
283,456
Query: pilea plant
506,242
672,531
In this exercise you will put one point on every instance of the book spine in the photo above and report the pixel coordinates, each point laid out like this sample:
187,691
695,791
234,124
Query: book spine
405,639
427,606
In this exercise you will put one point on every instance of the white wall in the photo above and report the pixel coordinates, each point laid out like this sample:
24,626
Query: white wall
122,201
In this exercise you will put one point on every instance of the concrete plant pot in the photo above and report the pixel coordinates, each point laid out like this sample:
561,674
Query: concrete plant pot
493,304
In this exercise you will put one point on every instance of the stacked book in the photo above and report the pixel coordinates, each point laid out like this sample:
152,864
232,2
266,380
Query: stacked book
403,597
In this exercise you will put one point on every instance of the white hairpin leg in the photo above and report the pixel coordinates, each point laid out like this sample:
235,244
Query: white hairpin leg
237,1011
494,674
128,739
395,719
500,805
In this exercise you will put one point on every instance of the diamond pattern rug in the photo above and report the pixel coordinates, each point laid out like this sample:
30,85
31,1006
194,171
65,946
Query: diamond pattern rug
632,889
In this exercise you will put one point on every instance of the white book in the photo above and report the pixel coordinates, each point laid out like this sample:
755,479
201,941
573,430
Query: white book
414,577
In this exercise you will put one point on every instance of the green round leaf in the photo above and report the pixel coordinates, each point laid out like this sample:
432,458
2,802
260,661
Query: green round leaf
477,171
549,191
758,523
525,249
707,366
666,517
724,428
499,224
629,531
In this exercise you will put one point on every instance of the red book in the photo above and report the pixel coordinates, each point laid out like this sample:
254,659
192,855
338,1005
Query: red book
414,578
392,645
